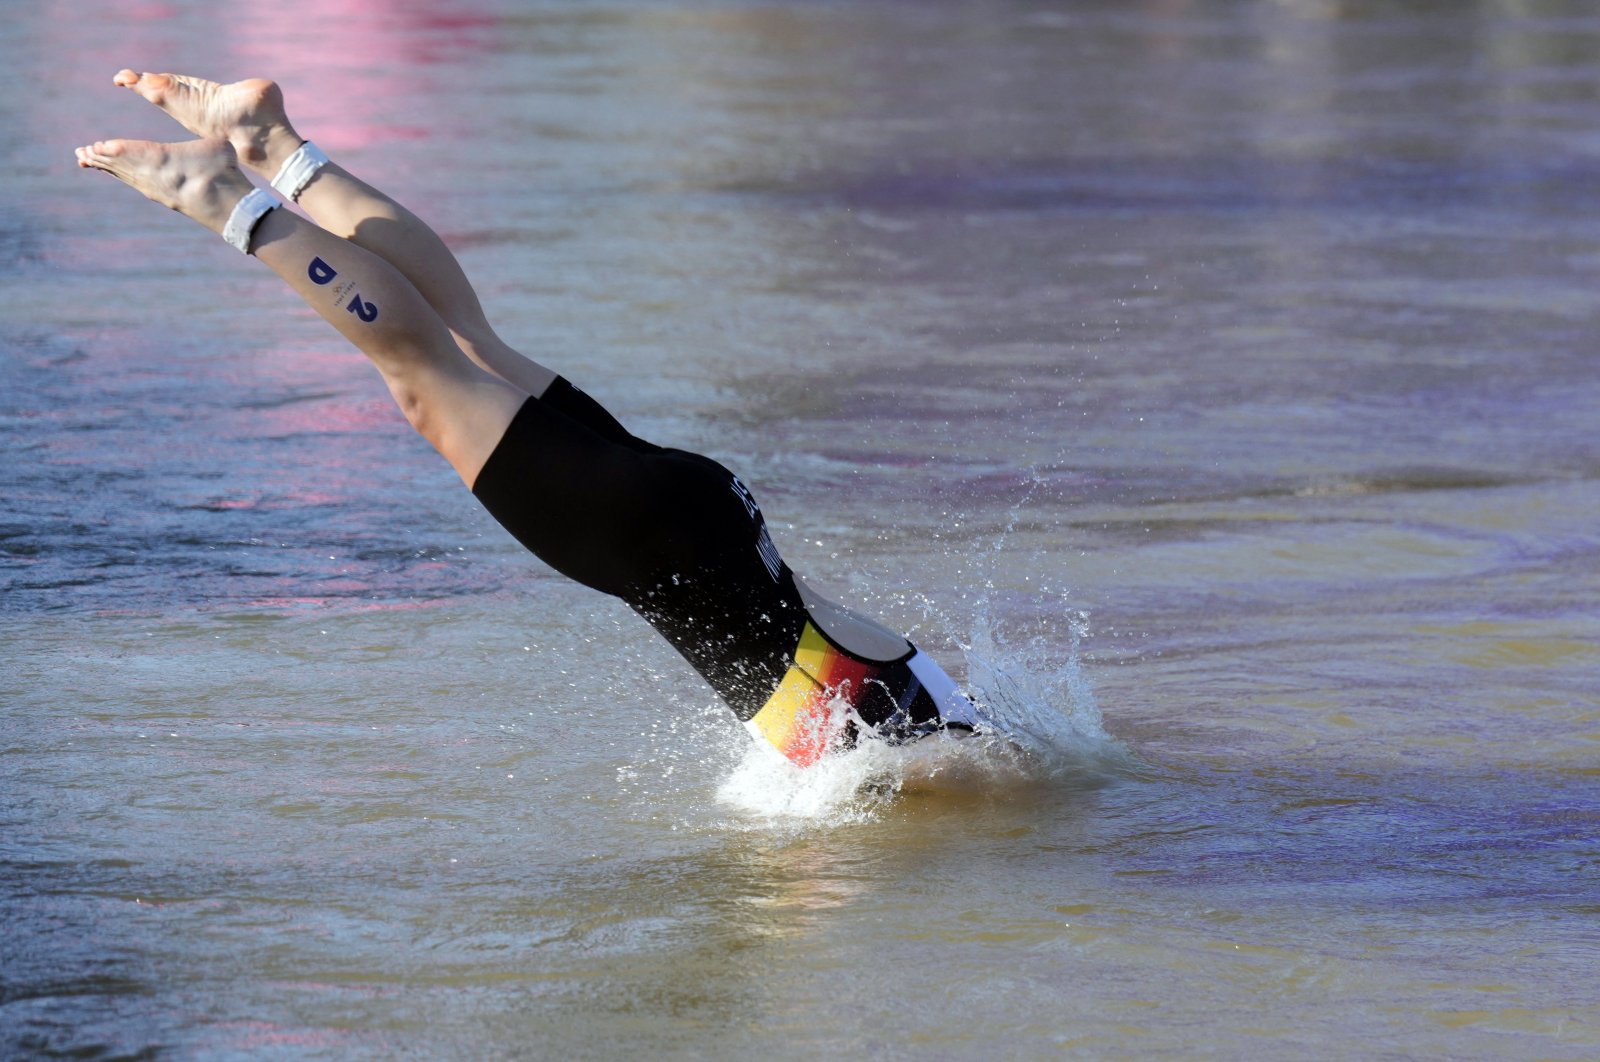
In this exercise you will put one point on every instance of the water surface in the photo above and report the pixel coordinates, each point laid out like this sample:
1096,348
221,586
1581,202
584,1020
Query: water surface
1211,385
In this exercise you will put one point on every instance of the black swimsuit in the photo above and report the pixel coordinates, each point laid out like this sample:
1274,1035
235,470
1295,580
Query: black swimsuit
681,540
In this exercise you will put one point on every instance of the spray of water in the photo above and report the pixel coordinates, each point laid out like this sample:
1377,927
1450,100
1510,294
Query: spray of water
1038,701
1040,724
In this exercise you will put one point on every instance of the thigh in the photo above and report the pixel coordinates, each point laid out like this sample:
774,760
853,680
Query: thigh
673,534
616,518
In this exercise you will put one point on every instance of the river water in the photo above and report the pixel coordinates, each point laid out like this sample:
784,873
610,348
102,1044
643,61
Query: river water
1211,385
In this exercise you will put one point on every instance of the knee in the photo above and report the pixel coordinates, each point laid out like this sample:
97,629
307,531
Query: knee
414,405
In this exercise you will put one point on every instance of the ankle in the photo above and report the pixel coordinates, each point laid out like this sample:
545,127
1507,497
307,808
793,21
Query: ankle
299,170
246,214
268,150
213,203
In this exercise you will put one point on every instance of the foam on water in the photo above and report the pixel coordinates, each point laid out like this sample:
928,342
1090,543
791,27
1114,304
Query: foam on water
1040,724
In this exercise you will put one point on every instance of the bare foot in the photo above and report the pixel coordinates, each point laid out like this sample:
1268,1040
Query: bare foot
248,114
199,179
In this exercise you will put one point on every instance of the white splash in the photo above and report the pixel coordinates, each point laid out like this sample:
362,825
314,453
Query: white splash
1040,722
845,786
1040,725
1040,702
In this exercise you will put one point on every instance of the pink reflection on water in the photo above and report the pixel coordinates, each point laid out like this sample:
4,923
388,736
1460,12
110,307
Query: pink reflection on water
253,1035
339,414
149,12
290,389
351,68
302,603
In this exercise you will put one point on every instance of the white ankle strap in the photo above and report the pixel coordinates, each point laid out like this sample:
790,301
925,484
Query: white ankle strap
298,169
247,214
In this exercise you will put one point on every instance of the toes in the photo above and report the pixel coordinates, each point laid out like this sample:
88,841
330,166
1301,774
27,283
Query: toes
152,87
91,158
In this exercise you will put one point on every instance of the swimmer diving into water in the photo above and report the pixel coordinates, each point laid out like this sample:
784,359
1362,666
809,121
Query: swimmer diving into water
673,534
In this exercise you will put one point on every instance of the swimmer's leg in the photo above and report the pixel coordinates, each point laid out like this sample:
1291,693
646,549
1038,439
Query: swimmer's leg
250,115
459,408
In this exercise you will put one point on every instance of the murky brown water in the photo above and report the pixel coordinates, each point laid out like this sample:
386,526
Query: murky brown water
1220,375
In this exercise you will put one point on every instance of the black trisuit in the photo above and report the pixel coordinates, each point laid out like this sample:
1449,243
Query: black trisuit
680,539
